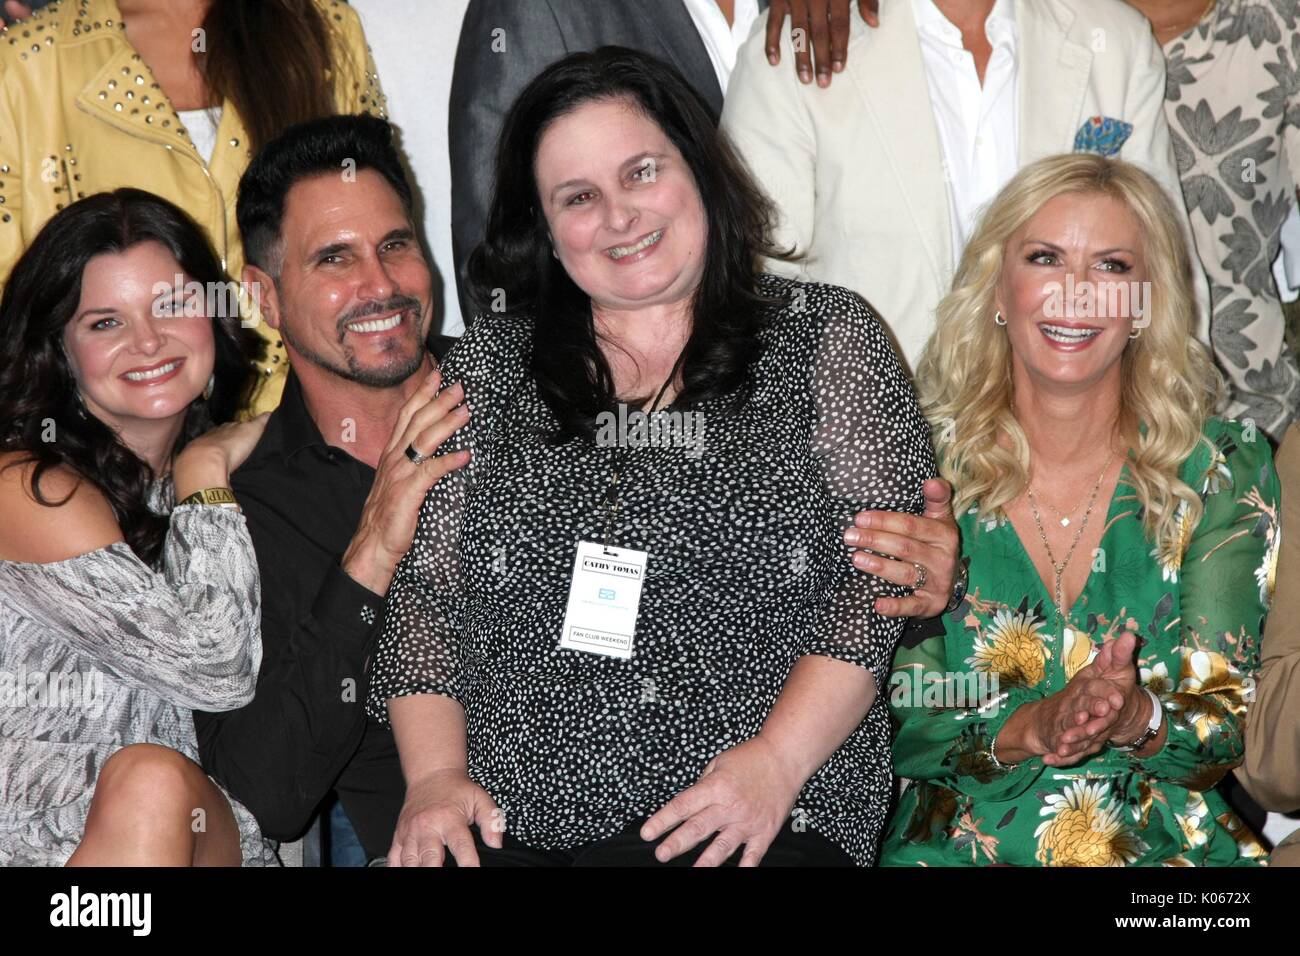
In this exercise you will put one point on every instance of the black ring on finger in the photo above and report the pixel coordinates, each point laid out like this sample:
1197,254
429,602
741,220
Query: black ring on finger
415,456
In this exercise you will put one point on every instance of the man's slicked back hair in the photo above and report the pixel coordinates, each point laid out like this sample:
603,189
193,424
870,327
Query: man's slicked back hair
344,145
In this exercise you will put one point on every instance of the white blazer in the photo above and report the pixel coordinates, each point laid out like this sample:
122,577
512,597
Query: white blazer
856,170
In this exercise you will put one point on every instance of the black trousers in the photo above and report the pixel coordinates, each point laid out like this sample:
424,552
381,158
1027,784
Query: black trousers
371,789
628,849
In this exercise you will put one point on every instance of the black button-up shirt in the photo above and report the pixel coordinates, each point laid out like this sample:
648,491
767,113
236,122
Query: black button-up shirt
306,733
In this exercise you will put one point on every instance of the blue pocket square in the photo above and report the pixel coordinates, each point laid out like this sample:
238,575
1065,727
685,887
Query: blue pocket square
1102,134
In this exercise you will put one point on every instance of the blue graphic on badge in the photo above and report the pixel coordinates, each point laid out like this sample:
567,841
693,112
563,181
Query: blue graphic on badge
605,594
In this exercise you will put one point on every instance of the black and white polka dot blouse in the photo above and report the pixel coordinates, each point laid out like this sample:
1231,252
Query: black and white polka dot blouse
747,572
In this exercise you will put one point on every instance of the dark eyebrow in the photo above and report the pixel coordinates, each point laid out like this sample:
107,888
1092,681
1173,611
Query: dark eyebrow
329,250
639,157
567,184
103,311
404,232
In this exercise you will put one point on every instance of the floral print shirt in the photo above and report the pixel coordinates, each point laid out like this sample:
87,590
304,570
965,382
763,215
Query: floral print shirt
1198,611
1232,97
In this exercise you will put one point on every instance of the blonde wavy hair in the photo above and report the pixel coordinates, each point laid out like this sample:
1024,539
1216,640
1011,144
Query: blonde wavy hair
1169,383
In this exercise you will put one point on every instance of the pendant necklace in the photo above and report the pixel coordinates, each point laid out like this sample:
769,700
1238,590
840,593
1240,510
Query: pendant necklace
1058,569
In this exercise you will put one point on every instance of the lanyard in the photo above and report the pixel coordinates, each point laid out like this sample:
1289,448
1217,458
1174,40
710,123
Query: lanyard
611,500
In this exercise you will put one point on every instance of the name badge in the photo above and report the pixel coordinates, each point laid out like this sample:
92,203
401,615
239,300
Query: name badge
604,596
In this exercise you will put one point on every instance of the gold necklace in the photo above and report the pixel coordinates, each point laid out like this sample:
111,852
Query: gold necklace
1064,518
1058,570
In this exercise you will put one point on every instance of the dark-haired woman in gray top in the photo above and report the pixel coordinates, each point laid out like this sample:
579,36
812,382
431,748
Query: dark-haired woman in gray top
120,609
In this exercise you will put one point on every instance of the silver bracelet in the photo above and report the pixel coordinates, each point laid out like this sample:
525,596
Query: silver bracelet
1152,728
993,755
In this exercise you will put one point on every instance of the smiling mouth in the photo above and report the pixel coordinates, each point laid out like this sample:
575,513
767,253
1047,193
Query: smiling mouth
622,252
147,375
1068,335
376,325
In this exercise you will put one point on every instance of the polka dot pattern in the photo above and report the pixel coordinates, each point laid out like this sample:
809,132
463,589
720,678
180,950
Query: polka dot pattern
747,572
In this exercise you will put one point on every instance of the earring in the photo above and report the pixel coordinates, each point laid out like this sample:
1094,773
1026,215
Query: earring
998,320
81,402
1135,334
207,391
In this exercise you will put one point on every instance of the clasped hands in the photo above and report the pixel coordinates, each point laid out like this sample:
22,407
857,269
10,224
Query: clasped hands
1102,705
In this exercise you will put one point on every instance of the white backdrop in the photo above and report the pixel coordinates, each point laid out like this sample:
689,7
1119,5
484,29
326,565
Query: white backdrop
414,44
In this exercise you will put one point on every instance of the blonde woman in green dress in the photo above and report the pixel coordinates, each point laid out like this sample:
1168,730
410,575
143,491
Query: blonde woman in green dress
1081,704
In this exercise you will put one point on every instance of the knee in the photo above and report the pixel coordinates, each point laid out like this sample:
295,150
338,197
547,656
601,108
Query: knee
149,775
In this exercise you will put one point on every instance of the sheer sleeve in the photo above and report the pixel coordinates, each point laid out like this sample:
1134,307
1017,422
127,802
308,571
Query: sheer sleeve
418,650
189,634
1228,571
949,745
873,449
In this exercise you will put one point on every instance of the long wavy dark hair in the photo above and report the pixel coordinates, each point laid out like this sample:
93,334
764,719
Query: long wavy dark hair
273,60
37,384
515,256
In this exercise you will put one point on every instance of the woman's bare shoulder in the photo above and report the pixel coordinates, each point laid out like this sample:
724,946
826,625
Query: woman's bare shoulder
77,519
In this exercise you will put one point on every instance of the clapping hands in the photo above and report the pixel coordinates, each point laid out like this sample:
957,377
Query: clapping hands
1101,705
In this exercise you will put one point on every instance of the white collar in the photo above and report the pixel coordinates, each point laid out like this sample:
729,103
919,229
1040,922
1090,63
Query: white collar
1000,27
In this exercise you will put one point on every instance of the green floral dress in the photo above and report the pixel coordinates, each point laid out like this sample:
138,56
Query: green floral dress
1198,612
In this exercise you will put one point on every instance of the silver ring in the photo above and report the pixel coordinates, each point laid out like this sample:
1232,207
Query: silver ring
419,459
921,576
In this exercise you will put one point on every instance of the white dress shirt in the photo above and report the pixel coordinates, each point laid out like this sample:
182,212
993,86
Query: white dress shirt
978,125
721,39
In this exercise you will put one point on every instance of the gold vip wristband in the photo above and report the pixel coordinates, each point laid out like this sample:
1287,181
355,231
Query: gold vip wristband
216,497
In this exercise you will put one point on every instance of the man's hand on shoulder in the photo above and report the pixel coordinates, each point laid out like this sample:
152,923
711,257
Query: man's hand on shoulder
826,22
392,509
909,548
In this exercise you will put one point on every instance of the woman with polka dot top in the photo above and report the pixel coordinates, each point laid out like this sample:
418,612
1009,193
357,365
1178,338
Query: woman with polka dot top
646,405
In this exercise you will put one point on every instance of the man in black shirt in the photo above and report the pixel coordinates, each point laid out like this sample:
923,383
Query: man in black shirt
332,491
